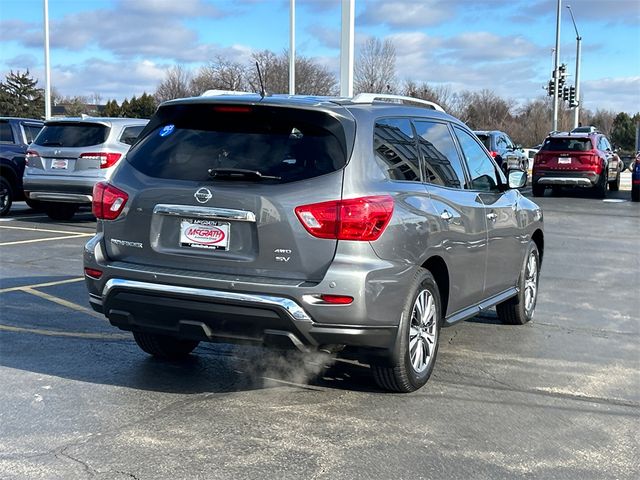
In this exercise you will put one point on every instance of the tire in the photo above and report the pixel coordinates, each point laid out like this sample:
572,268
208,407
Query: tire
600,189
410,365
614,186
6,196
60,211
635,193
163,346
520,309
537,189
34,204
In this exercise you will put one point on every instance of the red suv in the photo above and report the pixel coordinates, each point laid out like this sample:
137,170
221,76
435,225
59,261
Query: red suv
578,159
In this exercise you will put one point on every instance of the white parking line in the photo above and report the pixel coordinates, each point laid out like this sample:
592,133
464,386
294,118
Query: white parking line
56,333
42,285
36,229
20,242
63,302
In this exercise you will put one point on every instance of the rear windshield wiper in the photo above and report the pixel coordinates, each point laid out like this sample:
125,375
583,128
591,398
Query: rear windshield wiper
233,173
51,144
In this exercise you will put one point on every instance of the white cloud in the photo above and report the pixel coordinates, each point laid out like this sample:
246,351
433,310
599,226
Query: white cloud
618,94
406,14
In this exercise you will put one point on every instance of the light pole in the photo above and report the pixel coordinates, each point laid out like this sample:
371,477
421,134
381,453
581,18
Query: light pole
47,65
576,110
346,48
292,47
556,71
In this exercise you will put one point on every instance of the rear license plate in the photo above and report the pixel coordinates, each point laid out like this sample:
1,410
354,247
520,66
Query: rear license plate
59,164
197,233
564,160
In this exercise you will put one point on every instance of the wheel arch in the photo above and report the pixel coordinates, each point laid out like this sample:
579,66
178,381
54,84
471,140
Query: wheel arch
538,238
438,268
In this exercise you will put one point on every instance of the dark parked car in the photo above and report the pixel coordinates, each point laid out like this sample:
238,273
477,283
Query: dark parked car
311,223
576,159
15,136
69,156
506,153
635,179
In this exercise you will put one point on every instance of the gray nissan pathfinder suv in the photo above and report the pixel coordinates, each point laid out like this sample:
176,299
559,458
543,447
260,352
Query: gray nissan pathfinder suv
364,223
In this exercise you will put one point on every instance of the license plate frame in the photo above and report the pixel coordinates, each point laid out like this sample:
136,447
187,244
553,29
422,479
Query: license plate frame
60,164
203,234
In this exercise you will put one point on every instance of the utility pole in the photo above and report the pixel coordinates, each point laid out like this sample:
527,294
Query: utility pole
292,47
556,71
576,110
47,64
346,48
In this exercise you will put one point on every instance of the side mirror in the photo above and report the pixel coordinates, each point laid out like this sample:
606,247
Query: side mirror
517,178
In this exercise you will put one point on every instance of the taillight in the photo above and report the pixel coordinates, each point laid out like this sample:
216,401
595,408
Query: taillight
93,273
106,159
31,156
362,219
336,299
493,154
108,201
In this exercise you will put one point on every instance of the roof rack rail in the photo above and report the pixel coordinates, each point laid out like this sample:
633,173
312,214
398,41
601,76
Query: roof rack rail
372,97
214,93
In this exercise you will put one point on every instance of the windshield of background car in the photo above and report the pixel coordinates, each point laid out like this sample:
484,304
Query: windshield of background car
72,134
292,144
555,144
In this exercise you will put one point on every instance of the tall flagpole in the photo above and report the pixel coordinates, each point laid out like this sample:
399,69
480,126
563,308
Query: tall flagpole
346,48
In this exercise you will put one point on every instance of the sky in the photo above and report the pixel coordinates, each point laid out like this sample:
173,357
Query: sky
119,48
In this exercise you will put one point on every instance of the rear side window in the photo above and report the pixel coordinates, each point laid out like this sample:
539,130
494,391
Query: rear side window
486,140
75,134
395,149
555,144
31,132
289,144
6,135
481,169
130,134
441,161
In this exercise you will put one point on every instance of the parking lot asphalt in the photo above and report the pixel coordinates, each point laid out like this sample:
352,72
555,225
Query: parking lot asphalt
558,398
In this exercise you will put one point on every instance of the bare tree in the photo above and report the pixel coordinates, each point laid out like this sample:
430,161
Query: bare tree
311,78
440,94
176,84
487,111
375,69
221,74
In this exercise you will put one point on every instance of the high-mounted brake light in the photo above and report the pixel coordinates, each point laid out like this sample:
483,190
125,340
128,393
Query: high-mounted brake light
106,159
361,219
108,201
231,109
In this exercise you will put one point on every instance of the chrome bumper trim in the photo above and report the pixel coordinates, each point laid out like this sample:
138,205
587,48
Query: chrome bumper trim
565,181
295,310
61,197
204,212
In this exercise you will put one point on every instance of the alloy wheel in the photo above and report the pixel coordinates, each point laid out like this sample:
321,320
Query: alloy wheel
423,332
531,283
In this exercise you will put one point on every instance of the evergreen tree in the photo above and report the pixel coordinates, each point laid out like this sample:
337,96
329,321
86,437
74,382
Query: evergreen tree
111,109
623,132
20,96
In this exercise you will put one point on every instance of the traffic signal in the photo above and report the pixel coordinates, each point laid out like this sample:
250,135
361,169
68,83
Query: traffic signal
573,101
565,94
552,88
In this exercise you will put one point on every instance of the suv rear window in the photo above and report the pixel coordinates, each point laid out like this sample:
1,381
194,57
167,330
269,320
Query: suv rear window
189,140
567,144
75,134
486,140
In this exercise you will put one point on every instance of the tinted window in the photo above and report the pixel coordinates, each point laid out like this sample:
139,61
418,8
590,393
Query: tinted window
291,144
6,135
486,140
556,144
31,132
439,155
130,134
72,135
481,168
395,149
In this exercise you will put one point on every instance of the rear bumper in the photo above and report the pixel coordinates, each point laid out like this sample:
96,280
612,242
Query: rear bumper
222,316
573,179
60,188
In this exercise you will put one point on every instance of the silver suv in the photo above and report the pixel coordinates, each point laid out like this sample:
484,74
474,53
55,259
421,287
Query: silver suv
312,223
69,156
